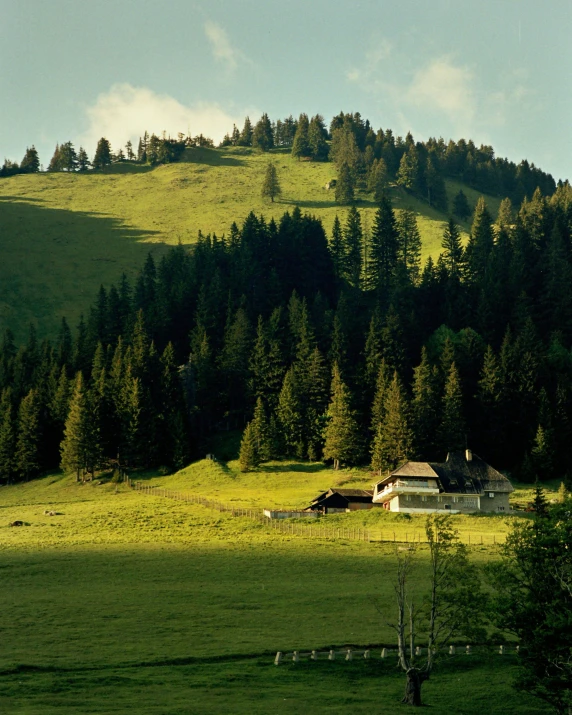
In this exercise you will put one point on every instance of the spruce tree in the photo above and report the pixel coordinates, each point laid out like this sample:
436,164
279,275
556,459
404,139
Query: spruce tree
378,179
452,432
262,432
301,144
337,249
7,439
271,185
245,138
30,164
249,456
102,156
424,407
384,247
262,137
83,162
342,438
27,455
393,442
74,447
409,244
289,415
481,242
345,186
317,136
453,253
461,208
353,248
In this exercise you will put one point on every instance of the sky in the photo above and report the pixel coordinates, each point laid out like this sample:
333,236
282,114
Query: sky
496,71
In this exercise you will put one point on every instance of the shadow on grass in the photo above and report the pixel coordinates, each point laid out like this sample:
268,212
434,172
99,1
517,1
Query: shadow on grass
52,262
210,157
304,467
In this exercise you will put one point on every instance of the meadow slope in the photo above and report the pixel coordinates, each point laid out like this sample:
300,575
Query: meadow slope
62,235
123,602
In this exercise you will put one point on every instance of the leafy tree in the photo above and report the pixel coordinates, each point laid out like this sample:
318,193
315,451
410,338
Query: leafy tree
534,601
30,164
271,186
345,186
342,443
453,606
102,156
461,207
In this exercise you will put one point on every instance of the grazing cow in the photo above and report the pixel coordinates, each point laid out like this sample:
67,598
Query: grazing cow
17,523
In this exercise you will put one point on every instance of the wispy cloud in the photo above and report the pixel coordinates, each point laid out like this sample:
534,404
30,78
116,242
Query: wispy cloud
441,93
221,47
126,112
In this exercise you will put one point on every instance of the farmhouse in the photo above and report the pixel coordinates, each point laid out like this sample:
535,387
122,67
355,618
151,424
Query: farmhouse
463,483
335,501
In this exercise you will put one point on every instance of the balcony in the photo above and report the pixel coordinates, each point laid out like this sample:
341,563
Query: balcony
409,486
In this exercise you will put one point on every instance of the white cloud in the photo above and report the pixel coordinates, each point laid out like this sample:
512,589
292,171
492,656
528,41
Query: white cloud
221,48
126,112
446,88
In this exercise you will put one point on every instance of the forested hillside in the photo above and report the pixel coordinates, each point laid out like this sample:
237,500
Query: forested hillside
343,346
87,219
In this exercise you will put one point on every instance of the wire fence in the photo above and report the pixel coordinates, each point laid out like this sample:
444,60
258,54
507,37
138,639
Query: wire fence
296,527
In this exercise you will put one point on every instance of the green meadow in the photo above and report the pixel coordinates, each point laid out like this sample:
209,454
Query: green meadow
63,235
124,602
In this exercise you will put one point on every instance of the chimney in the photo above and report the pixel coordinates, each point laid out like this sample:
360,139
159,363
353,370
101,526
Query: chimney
468,455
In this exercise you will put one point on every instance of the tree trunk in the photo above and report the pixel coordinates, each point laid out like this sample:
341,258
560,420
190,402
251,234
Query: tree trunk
413,687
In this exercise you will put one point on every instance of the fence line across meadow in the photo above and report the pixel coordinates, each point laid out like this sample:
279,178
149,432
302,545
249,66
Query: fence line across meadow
311,531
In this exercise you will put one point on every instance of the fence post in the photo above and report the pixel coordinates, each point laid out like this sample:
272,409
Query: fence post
349,654
468,650
384,652
278,658
332,655
295,657
314,655
501,650
366,654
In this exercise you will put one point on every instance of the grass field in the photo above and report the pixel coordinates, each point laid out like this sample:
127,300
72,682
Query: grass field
62,235
132,603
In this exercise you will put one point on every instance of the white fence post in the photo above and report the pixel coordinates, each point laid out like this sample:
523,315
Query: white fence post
278,658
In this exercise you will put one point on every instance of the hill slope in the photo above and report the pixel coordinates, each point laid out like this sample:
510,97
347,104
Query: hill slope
62,235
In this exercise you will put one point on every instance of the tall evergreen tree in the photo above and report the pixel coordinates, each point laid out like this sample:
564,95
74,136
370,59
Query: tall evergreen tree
102,156
301,144
27,456
481,242
7,439
393,442
345,186
453,254
353,251
409,244
384,246
461,208
30,164
342,438
337,249
452,432
262,137
425,408
271,185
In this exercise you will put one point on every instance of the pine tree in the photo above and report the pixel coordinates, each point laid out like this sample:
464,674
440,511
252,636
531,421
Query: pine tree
337,249
55,161
461,208
289,416
271,186
301,144
393,442
246,134
384,246
408,174
27,456
83,162
409,244
249,457
317,136
30,164
342,438
424,407
453,253
481,241
7,439
378,179
353,248
74,448
345,186
102,156
452,428
542,453
262,432
262,137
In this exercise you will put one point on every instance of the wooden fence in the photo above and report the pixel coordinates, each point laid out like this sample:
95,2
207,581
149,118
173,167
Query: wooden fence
348,654
311,531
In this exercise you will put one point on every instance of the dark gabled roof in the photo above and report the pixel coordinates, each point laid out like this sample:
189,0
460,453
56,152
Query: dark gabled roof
457,475
342,496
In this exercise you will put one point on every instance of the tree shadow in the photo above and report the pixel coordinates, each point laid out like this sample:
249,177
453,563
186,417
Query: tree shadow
304,467
52,262
210,157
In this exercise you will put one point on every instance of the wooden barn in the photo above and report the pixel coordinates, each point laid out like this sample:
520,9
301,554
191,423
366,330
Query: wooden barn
336,501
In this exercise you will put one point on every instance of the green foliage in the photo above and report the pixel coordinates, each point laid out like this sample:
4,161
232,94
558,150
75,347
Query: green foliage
342,439
345,190
102,157
393,442
27,458
301,144
271,185
461,207
262,137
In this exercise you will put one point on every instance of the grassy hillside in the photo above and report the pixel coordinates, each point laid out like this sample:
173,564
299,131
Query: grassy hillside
124,602
62,235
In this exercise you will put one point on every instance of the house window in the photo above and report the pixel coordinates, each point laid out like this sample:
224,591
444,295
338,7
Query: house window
491,495
447,506
408,498
455,500
423,498
439,499
501,508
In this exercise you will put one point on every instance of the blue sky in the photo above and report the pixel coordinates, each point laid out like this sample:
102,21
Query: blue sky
498,72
